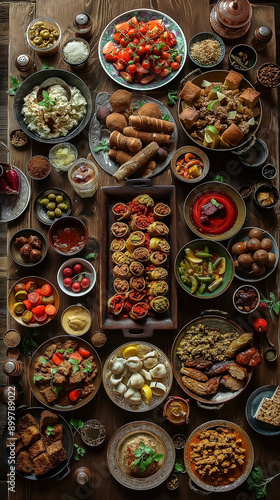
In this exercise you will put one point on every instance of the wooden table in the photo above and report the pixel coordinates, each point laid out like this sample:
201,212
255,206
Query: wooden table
193,17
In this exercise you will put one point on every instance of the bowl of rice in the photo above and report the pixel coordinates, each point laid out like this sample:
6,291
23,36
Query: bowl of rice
75,52
206,50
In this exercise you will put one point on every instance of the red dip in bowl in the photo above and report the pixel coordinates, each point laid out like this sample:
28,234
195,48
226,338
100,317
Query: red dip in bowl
213,212
68,236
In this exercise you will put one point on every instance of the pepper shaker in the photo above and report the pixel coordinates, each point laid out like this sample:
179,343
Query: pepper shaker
262,35
12,367
82,26
82,475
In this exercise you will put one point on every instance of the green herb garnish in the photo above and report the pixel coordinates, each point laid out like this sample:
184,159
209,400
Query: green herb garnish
257,483
88,368
46,66
102,146
76,424
271,303
28,343
43,360
179,468
57,389
140,104
219,178
60,350
216,89
145,455
214,202
172,97
80,452
91,256
68,351
74,362
15,84
37,378
47,101
166,117
49,430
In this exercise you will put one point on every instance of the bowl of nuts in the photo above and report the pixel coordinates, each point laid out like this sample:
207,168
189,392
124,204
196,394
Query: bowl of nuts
242,58
246,299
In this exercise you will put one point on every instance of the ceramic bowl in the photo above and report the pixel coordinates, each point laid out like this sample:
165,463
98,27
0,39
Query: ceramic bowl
252,58
217,250
87,268
18,138
192,150
254,157
269,171
15,250
199,37
64,57
38,178
68,223
254,290
266,188
40,210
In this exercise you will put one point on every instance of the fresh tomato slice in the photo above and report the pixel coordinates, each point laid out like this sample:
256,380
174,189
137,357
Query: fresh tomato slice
57,358
118,65
116,37
124,56
76,355
46,290
140,69
126,76
111,57
34,298
39,310
27,304
41,319
50,310
108,47
147,79
74,395
84,352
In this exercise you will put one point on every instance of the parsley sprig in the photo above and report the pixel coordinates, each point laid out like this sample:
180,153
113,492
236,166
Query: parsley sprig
76,424
49,430
145,455
28,343
102,146
172,97
271,303
46,66
47,101
165,117
80,452
179,468
257,483
15,84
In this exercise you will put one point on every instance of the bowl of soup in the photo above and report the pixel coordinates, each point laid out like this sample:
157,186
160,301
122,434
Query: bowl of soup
68,236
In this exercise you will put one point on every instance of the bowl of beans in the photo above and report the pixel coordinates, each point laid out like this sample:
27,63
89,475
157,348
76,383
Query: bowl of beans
246,299
38,167
43,36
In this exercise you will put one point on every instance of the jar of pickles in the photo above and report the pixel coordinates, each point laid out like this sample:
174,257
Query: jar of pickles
83,177
43,35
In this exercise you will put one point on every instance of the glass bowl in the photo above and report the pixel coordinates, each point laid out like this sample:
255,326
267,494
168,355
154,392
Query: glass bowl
49,49
59,157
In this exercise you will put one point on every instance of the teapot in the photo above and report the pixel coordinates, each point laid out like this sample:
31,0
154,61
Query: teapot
231,18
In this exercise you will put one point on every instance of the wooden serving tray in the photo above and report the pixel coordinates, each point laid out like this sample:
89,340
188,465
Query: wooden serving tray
109,197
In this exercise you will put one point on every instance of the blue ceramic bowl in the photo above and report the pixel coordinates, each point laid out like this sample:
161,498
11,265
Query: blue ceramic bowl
199,37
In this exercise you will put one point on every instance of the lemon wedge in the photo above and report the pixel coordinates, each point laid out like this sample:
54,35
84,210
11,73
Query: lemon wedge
222,266
129,351
146,393
211,137
251,121
220,96
213,105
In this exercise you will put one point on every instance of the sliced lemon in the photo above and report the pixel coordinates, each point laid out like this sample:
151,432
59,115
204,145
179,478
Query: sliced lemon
146,393
205,83
129,351
211,137
222,266
213,105
220,96
251,121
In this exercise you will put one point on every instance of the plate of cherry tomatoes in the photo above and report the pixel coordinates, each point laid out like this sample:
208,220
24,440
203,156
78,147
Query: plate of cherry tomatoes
76,277
142,49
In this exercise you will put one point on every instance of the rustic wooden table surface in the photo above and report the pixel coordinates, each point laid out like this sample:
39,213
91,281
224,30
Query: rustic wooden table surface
193,17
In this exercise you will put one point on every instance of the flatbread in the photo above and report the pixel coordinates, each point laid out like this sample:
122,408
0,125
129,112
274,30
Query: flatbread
268,412
276,395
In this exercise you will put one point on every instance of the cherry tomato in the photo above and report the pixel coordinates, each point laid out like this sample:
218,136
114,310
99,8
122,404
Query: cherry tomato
131,68
27,304
157,70
148,47
165,72
57,358
74,395
76,355
67,282
175,65
76,287
143,30
77,268
140,51
260,325
129,51
30,286
131,32
85,282
117,37
123,41
136,41
67,271
34,298
39,310
111,57
171,39
165,55
41,319
46,290
124,56
118,65
83,352
146,64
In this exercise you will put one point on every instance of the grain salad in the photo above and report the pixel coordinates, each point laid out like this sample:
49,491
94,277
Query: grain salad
207,52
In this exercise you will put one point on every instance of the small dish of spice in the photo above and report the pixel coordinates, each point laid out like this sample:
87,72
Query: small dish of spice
172,483
12,338
242,58
18,138
246,299
206,50
270,354
75,52
98,339
179,441
245,191
269,171
38,167
268,77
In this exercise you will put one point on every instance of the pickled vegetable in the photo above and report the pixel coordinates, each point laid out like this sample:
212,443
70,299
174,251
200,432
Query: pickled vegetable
238,344
43,34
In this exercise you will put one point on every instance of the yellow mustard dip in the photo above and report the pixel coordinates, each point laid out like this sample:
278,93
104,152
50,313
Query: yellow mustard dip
76,320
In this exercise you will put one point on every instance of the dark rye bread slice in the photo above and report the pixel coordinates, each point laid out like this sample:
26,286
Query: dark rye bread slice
268,412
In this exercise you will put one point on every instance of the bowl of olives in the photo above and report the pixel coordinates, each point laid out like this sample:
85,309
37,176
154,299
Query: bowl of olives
52,204
255,254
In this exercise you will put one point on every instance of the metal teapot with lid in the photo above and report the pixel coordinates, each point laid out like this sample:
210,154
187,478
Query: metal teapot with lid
231,18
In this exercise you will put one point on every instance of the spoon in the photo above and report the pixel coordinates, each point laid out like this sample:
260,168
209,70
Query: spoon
53,81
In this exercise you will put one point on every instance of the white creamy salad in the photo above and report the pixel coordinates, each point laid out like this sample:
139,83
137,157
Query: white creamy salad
56,120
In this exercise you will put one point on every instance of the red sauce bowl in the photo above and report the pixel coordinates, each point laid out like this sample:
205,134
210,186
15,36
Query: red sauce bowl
68,236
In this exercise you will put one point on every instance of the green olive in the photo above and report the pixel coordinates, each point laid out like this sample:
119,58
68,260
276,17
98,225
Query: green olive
58,212
55,33
59,199
51,206
50,214
51,196
37,40
44,201
62,206
45,34
37,24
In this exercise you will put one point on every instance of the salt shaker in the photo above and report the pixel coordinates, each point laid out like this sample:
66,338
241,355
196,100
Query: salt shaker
25,65
262,35
82,475
82,26
12,367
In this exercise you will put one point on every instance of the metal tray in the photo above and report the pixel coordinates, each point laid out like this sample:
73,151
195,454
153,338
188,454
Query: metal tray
12,206
109,197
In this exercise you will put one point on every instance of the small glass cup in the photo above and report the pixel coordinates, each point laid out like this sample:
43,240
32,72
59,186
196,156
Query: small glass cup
47,50
83,177
57,160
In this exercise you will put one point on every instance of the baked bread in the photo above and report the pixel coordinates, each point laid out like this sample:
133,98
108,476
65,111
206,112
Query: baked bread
250,97
190,92
276,395
232,135
269,412
116,121
30,435
121,101
233,80
189,116
150,109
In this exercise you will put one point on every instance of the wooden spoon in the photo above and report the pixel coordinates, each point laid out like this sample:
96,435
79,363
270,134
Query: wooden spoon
53,81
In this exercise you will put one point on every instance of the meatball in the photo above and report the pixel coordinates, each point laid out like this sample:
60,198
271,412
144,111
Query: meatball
19,242
35,255
25,252
35,242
